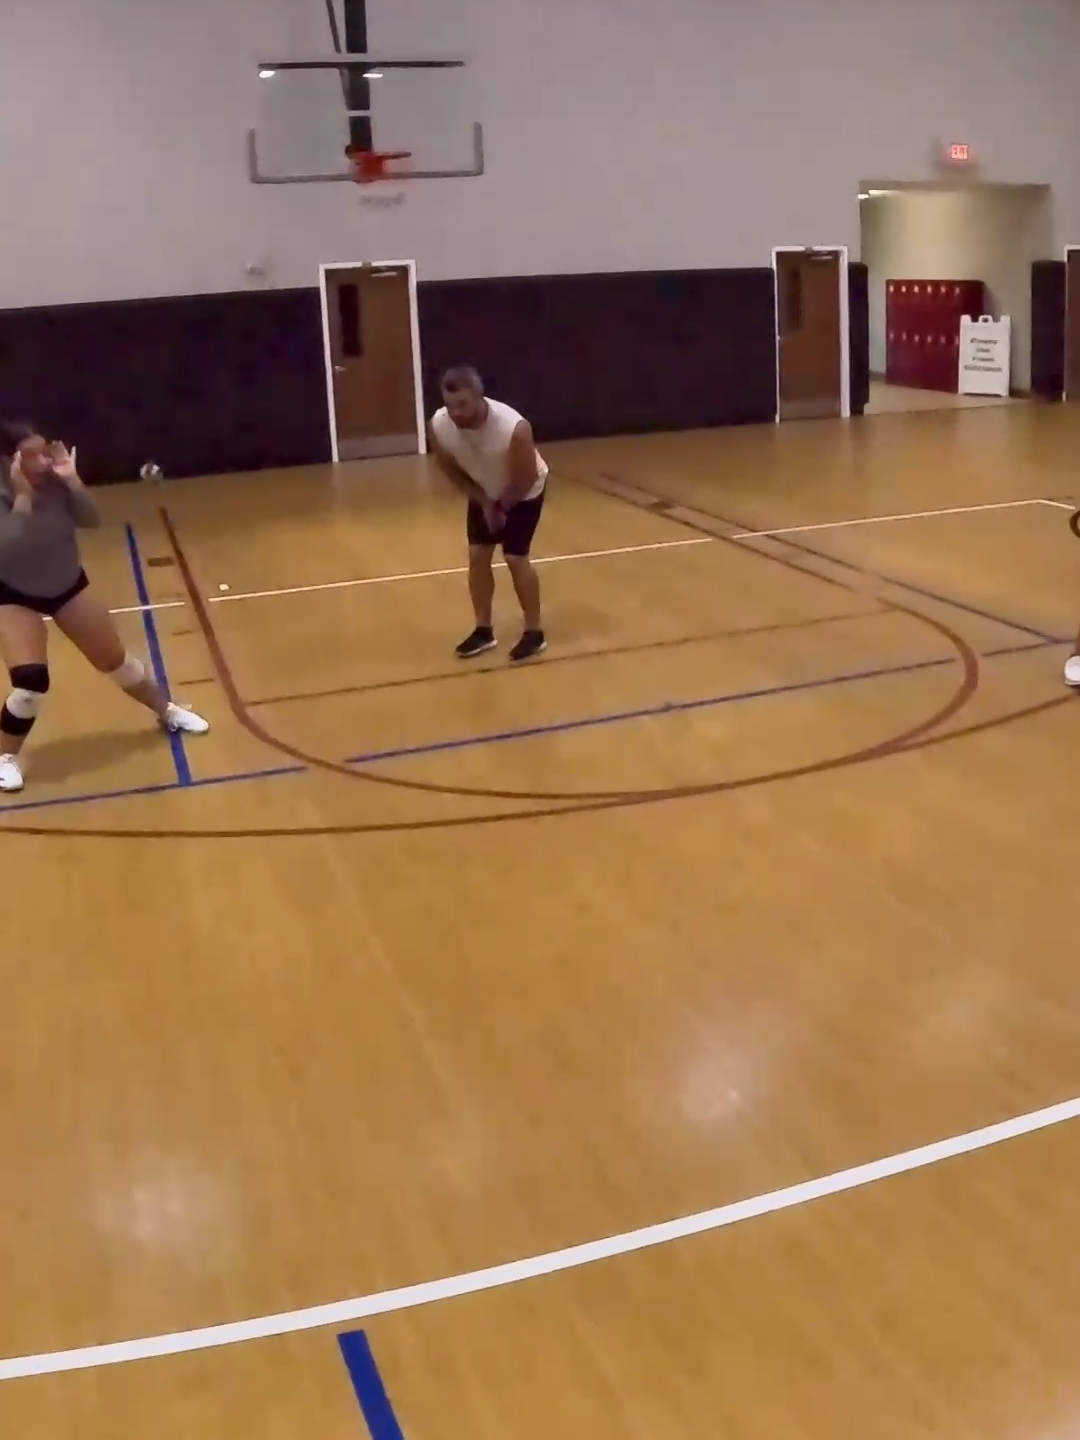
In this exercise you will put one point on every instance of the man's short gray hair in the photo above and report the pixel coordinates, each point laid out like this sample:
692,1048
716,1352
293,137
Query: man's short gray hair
463,377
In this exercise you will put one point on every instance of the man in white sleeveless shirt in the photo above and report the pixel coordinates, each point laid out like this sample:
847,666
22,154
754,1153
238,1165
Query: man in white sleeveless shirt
486,450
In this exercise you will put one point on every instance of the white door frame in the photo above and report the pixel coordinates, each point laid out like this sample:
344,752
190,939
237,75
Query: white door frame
845,320
1069,250
414,325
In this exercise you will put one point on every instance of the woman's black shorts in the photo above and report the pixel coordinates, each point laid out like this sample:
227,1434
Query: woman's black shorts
43,605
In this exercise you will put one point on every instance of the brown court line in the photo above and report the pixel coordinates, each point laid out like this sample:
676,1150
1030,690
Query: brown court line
882,750
393,827
466,672
968,683
255,728
666,505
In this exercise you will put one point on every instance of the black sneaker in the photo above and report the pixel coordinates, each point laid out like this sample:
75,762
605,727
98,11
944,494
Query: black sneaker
531,643
481,639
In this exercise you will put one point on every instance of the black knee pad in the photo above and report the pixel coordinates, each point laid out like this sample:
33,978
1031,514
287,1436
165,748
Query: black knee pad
30,677
29,686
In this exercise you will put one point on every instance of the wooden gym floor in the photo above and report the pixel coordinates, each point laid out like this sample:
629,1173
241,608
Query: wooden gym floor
888,399
760,881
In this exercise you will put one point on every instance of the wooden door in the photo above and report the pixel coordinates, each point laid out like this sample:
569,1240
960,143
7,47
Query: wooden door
371,350
809,338
1072,325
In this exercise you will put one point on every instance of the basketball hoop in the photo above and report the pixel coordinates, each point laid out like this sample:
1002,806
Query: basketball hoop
370,166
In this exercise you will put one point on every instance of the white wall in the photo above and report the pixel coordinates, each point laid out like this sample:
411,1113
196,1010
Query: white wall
621,133
988,233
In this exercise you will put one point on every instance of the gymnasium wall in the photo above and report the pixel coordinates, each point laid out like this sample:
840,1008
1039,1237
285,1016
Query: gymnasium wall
637,155
622,134
990,233
226,382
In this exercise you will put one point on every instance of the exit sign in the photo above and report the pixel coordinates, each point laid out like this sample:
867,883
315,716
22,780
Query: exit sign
960,154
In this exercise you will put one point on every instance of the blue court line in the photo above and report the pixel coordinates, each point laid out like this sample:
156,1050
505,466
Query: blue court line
809,549
646,712
157,659
676,707
1045,642
926,594
558,727
162,789
971,610
368,1386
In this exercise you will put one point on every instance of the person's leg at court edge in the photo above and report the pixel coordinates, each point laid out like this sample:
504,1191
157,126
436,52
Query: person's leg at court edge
482,592
518,531
527,589
1072,666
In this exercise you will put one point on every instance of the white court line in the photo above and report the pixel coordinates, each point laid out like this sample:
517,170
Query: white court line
141,609
1057,504
622,550
344,1312
461,570
885,519
593,554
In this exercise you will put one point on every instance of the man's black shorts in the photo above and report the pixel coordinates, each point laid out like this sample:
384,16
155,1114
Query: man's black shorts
516,536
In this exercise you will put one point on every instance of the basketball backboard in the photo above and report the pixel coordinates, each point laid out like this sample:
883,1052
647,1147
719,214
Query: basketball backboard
311,108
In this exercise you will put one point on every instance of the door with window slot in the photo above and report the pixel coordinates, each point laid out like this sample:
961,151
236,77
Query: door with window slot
808,334
371,351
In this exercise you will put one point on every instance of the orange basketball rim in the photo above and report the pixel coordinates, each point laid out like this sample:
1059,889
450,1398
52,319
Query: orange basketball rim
370,166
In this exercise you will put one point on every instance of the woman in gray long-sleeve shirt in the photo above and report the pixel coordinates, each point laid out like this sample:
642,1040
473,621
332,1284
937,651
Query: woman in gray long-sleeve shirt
43,503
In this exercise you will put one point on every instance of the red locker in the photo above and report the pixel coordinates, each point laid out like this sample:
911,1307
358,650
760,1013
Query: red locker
922,325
